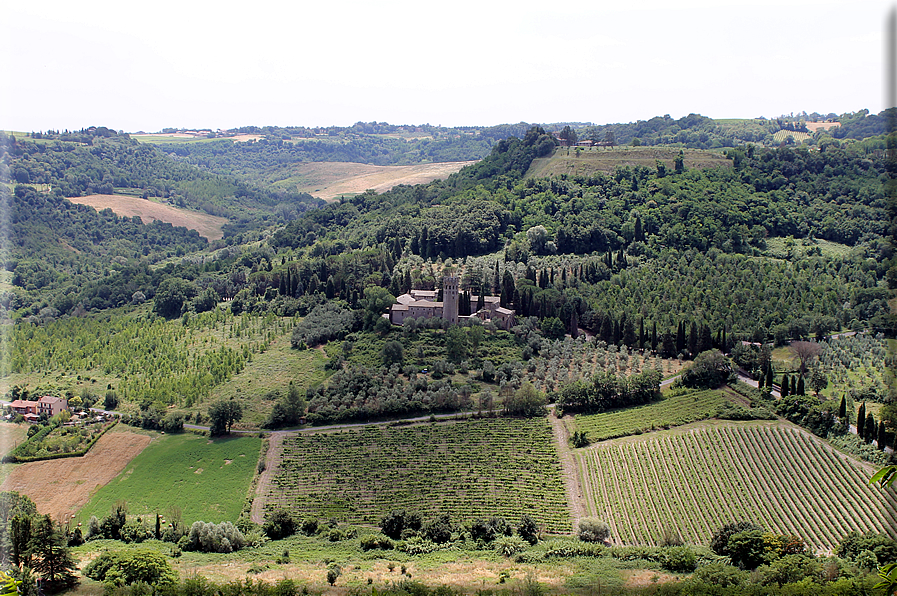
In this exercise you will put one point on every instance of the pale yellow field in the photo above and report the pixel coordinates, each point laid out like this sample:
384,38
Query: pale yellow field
329,180
208,226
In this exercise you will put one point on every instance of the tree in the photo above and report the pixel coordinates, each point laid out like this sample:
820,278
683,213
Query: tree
171,295
279,524
528,529
818,380
223,414
553,328
393,353
869,428
50,554
455,344
842,409
375,302
806,352
592,529
124,568
861,421
709,370
526,401
785,389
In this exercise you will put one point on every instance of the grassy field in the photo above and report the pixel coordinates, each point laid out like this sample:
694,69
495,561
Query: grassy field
674,410
791,248
208,226
269,372
468,469
599,159
208,479
692,482
11,435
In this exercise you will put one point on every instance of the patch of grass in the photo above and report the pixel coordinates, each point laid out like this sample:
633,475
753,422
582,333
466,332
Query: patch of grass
207,478
268,372
11,435
789,248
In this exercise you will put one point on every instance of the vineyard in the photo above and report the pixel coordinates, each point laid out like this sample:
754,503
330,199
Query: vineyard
675,410
142,356
693,482
468,469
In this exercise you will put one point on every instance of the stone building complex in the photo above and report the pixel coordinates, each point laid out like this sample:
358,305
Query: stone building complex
422,304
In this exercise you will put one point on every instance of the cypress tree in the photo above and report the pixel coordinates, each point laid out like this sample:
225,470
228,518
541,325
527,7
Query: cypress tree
770,376
680,336
869,428
654,337
693,339
882,436
861,421
842,409
801,389
784,385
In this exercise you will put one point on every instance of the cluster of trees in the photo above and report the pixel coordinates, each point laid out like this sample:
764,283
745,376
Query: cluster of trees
361,393
34,546
606,390
400,524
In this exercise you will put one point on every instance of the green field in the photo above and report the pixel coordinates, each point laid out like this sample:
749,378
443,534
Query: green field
468,469
207,479
674,410
772,474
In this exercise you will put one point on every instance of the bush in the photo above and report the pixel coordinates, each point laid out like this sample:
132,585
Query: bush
508,546
592,529
439,530
309,526
123,568
709,370
375,542
528,529
678,559
211,538
280,524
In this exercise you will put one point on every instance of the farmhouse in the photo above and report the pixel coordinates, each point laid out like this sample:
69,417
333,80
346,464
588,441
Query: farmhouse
51,406
23,406
422,304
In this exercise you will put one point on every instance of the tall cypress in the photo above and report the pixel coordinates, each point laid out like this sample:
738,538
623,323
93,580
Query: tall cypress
882,436
842,409
784,385
770,376
869,428
801,389
861,421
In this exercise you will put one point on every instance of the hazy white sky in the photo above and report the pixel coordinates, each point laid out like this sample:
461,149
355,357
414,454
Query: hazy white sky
144,66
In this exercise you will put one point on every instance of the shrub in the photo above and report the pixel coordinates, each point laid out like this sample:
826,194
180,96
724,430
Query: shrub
123,568
528,529
592,529
374,542
279,524
508,546
678,559
211,538
309,526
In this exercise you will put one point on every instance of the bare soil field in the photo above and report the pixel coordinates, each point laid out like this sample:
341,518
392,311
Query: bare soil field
61,487
814,126
329,180
208,226
598,159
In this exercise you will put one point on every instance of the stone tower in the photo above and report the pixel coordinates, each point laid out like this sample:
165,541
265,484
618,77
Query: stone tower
450,300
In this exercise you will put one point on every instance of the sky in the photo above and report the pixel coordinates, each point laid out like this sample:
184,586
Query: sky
194,64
